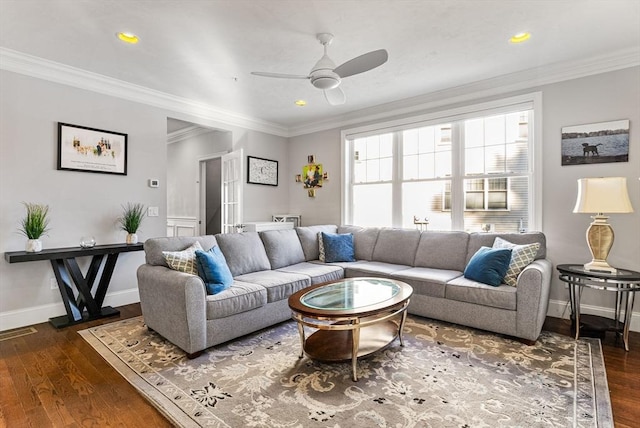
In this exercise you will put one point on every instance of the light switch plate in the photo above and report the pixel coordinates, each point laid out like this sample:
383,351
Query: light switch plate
152,212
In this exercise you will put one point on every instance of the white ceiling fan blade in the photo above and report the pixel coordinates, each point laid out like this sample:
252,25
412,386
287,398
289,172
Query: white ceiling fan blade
362,63
335,96
279,75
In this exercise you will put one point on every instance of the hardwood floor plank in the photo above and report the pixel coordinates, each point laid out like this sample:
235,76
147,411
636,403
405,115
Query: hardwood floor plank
55,378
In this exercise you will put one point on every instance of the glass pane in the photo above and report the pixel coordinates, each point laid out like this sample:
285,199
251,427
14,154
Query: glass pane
410,142
424,200
373,147
425,163
386,145
360,149
494,130
372,205
474,200
517,157
517,200
443,164
386,169
427,142
410,167
373,170
497,200
494,159
473,133
360,171
474,160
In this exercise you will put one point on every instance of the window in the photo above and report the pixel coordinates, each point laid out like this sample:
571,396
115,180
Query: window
470,170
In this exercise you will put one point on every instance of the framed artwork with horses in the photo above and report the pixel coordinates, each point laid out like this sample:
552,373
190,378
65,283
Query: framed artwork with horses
596,143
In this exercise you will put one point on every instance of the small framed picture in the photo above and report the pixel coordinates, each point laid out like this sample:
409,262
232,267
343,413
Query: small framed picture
311,193
325,175
298,178
311,159
91,150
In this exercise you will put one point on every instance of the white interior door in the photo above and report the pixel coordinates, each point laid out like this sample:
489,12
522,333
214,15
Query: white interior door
232,192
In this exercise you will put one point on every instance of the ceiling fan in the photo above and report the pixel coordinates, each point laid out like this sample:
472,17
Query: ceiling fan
326,76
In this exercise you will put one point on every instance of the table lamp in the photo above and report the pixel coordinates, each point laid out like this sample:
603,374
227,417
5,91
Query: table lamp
599,196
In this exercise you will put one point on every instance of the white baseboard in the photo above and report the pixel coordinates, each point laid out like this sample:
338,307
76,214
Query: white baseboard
38,314
560,309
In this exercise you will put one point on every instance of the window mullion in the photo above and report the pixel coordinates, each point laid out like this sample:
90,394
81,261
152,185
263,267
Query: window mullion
457,180
397,174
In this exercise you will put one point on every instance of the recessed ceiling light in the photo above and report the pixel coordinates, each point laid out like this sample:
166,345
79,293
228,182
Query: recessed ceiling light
300,103
128,38
520,37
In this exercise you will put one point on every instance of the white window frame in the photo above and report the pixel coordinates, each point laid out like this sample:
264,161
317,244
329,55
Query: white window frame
531,101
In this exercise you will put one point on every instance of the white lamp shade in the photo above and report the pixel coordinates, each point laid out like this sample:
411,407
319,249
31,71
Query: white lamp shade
603,195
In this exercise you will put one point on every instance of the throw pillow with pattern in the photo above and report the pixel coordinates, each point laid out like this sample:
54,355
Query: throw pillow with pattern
521,256
185,260
321,256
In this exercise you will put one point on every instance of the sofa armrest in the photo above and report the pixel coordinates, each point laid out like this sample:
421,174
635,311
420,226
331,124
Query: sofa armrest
534,285
173,304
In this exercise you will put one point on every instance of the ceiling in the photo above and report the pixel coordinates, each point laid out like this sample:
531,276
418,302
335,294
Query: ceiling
205,50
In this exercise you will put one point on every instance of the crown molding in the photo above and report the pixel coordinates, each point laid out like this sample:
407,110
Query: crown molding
40,68
529,79
29,65
188,132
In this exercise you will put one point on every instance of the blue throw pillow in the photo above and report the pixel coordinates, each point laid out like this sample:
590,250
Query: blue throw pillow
338,247
488,265
213,269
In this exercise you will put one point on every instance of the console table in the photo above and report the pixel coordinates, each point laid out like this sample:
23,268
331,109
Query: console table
625,283
68,273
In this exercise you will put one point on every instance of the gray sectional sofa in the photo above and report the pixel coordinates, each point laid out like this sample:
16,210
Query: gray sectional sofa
270,266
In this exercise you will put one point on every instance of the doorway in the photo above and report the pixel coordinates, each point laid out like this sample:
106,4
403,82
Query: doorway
211,183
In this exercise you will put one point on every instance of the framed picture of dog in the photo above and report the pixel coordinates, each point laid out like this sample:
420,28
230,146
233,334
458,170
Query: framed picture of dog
602,142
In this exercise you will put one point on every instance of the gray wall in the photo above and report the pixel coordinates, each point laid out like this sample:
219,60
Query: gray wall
85,203
599,98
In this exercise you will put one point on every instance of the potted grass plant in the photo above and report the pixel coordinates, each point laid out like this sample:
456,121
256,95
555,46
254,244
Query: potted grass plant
132,216
34,225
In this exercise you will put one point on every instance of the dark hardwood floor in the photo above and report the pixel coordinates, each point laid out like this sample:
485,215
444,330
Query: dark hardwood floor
53,378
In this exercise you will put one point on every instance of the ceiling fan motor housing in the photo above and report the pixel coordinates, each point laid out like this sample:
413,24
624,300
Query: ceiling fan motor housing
322,75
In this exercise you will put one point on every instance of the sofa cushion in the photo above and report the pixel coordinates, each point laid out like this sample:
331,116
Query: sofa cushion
396,246
466,290
364,240
213,269
338,247
372,269
185,260
280,285
317,272
240,297
481,239
244,252
426,281
442,250
488,265
154,247
308,236
283,247
521,257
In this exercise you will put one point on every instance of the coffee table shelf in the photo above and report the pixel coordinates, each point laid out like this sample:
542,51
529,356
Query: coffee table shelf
336,346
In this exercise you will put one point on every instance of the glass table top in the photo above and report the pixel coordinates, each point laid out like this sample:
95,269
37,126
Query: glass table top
350,294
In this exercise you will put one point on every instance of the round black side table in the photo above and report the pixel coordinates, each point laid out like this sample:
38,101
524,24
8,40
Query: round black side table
624,283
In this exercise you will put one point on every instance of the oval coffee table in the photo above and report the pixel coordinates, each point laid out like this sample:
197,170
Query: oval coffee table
354,317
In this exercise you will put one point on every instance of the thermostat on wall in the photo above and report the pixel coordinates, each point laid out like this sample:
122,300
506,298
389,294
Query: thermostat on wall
154,182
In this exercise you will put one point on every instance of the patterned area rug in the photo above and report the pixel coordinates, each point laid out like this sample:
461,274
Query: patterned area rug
444,376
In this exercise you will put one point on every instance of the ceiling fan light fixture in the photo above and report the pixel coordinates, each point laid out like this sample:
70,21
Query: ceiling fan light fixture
325,82
128,37
520,37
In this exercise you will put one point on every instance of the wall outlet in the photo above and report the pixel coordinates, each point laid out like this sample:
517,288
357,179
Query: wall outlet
152,212
53,283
